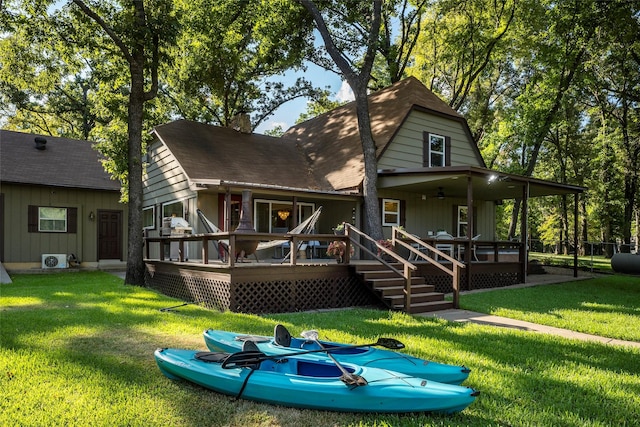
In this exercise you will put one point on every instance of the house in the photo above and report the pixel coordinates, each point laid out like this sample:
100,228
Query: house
58,205
431,178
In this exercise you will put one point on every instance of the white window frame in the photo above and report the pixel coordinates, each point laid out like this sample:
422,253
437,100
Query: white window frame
52,219
173,202
152,226
432,139
459,222
392,214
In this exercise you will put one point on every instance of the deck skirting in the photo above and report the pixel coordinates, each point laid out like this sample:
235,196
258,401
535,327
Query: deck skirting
259,290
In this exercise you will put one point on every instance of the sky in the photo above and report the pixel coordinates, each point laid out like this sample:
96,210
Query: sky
288,113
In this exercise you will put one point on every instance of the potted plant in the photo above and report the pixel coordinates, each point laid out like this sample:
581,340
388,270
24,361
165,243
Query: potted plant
387,244
339,229
337,249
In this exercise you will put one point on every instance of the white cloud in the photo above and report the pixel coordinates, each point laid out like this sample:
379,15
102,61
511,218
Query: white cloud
345,93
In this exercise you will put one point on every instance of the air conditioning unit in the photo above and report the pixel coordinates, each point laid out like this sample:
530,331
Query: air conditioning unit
54,261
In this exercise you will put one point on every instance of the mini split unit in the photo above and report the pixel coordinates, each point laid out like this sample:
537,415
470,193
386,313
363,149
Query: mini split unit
54,261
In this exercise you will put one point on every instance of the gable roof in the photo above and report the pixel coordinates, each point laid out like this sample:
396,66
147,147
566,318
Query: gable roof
64,162
332,141
208,153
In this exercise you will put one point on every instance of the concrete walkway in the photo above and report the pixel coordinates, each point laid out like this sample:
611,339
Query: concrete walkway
555,276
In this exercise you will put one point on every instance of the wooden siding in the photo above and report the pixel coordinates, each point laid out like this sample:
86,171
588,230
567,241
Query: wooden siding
433,214
23,247
164,180
405,150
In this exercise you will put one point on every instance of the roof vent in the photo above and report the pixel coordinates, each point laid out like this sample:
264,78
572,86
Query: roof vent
41,143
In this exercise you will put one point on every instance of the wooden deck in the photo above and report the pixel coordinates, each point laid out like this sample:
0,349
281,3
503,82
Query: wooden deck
311,284
300,283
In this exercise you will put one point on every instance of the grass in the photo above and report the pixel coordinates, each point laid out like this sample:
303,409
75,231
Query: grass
608,306
587,262
77,349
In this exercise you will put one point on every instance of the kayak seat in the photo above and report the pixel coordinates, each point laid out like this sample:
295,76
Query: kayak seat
250,346
281,336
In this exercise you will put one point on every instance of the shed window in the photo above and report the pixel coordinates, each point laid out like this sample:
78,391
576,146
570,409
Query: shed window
390,212
52,219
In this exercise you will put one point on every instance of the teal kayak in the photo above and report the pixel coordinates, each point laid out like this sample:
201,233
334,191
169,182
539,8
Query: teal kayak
302,382
368,356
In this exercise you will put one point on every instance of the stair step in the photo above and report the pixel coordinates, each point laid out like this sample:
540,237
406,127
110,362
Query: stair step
425,307
378,274
381,283
398,300
399,290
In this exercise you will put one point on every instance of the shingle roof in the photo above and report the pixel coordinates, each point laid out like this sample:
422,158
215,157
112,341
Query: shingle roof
64,163
213,152
332,141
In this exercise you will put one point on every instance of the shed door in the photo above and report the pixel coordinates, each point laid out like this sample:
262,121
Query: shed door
109,235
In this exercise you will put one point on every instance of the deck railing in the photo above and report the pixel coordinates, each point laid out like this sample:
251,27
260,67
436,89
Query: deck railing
422,250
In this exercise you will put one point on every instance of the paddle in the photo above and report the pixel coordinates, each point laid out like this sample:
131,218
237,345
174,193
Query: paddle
346,377
248,358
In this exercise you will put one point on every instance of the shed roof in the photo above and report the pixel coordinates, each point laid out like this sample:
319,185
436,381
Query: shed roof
64,162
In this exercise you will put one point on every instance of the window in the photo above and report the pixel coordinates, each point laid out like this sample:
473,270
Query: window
149,217
277,216
173,209
463,221
52,219
436,150
390,212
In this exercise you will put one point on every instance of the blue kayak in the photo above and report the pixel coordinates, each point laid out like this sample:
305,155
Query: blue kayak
302,382
282,343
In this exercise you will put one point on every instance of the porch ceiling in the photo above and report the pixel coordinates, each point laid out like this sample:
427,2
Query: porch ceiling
487,184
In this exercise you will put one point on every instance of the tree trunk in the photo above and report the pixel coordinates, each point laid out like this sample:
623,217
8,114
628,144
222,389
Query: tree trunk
135,264
373,222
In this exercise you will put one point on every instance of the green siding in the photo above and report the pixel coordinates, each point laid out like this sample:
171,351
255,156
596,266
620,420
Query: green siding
405,151
20,246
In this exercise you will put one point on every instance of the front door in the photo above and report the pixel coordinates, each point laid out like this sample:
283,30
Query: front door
109,234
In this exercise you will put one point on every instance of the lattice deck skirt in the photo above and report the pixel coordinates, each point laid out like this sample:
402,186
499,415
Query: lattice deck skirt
264,289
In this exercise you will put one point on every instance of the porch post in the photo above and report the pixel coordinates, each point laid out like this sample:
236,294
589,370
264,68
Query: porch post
524,227
227,211
470,227
575,234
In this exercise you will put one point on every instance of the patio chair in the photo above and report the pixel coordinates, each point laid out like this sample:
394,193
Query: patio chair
221,246
444,247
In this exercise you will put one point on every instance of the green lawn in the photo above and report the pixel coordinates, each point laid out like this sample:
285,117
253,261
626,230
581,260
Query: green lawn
77,349
596,262
608,306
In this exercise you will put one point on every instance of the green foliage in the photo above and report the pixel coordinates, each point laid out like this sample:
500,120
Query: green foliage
228,54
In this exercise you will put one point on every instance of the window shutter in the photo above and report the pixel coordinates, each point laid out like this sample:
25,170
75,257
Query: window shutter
425,149
447,151
32,219
72,220
403,213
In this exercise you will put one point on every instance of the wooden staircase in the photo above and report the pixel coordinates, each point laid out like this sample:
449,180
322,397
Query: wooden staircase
389,287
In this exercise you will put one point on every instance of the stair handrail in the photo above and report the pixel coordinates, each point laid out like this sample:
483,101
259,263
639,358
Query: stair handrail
400,237
407,266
